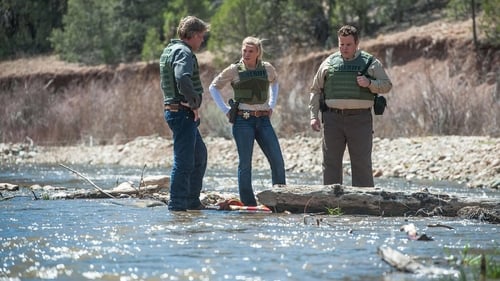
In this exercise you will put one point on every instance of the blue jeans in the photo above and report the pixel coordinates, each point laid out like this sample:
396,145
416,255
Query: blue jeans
190,161
245,131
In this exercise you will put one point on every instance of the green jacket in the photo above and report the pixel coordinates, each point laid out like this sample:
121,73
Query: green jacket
180,55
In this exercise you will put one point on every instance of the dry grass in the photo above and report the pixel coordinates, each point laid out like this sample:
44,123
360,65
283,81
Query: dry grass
440,91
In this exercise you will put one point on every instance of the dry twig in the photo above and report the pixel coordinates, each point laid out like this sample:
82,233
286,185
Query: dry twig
87,179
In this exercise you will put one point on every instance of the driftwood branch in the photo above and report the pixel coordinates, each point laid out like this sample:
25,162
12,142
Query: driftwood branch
34,194
405,263
86,194
87,179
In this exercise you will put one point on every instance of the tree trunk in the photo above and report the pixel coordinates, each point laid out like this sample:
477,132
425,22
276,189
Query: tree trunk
373,201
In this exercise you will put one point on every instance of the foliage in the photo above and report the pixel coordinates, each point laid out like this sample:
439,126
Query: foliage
458,9
372,17
177,9
112,31
153,46
89,34
233,21
109,31
478,264
26,25
134,18
491,22
158,35
334,211
353,12
284,25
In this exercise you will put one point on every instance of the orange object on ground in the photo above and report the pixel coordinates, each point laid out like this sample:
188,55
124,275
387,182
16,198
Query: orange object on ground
237,205
225,205
261,208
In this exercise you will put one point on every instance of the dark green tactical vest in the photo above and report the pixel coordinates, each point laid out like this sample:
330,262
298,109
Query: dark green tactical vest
340,82
253,86
169,87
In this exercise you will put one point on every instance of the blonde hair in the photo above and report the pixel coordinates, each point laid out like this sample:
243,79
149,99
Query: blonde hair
189,26
254,41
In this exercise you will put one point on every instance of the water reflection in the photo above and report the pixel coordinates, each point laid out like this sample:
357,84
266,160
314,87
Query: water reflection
98,239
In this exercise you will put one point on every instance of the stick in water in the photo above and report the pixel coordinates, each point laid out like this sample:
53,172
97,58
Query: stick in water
87,179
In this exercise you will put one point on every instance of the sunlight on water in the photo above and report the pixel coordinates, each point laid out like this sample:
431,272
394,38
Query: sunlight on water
101,240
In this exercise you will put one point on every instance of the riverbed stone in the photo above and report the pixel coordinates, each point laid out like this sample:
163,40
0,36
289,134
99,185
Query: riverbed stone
9,187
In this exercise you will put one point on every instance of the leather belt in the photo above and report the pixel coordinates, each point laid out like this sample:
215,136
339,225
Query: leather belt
247,113
174,107
348,111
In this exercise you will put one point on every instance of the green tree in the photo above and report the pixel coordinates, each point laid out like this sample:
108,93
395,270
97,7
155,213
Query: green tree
351,12
89,33
490,22
373,15
159,35
26,25
153,46
458,9
136,19
233,21
284,24
178,9
110,31
305,24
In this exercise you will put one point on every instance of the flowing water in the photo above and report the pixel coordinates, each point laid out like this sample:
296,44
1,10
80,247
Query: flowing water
108,239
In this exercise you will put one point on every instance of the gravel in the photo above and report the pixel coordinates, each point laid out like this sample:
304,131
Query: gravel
473,161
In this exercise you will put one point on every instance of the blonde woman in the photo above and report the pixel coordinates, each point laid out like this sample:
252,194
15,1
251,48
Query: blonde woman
255,91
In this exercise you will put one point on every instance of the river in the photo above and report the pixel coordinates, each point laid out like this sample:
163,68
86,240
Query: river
104,239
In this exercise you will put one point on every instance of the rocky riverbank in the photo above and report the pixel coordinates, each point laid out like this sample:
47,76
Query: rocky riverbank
474,161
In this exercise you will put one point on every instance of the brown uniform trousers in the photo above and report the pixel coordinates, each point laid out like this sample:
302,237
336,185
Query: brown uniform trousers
353,128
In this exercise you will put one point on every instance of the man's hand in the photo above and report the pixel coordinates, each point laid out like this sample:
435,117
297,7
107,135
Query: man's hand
316,124
195,111
196,115
363,81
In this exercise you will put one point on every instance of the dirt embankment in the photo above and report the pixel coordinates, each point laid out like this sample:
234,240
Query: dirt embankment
54,102
438,40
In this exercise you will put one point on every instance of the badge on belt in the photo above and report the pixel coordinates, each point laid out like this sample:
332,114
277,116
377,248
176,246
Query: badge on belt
246,114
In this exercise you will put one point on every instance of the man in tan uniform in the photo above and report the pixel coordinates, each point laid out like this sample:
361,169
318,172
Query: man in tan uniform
348,98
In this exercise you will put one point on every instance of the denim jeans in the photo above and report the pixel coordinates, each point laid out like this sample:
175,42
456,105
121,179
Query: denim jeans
245,131
190,161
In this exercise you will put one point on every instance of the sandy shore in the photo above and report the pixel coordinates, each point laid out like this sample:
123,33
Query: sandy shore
473,161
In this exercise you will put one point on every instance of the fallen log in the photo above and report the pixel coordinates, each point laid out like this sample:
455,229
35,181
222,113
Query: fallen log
373,201
149,185
98,194
405,263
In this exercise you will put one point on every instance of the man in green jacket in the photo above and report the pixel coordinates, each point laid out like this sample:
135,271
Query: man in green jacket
182,97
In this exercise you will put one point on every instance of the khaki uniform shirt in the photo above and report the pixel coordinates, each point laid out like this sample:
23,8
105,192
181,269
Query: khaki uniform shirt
380,84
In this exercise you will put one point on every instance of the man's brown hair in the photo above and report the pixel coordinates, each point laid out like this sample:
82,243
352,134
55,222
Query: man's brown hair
347,30
189,26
